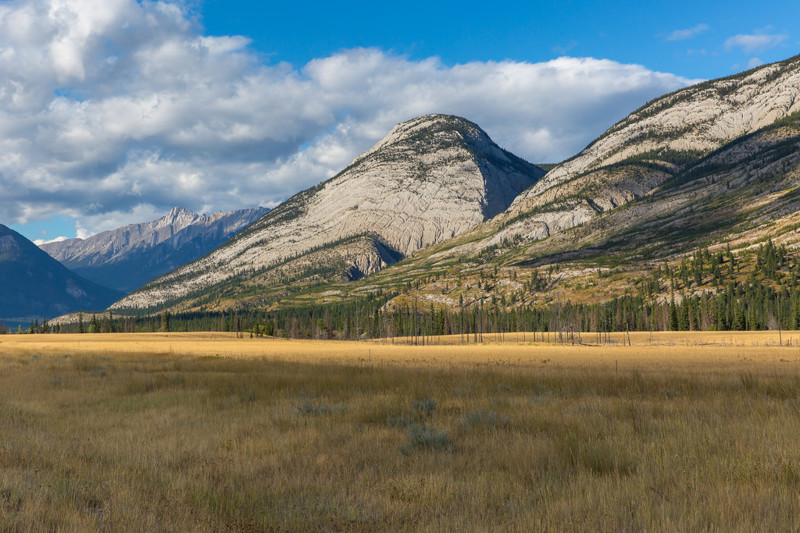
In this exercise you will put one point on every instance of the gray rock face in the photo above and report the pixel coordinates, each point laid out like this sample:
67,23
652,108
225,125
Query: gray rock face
650,146
128,257
430,179
745,190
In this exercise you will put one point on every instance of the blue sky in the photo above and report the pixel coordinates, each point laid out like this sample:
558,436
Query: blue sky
688,38
113,111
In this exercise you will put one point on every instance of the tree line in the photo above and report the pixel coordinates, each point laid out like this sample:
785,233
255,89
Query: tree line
704,292
749,305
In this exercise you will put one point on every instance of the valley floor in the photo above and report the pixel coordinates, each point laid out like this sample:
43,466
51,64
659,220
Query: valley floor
677,431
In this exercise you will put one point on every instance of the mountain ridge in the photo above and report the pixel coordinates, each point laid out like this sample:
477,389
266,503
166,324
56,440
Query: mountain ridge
710,165
36,286
646,149
428,180
127,257
573,247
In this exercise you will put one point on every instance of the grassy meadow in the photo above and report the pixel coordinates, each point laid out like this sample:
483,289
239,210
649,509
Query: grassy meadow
205,432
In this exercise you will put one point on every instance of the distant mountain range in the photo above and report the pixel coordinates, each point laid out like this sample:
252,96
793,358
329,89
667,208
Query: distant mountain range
35,286
127,258
437,215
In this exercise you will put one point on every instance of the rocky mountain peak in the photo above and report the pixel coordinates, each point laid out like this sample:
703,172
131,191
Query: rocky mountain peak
176,219
418,127
429,131
429,179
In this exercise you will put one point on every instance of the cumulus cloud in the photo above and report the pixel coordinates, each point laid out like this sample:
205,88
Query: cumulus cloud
39,242
688,33
755,42
112,111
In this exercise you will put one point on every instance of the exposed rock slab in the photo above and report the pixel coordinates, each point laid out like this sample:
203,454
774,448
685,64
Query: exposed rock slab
641,152
430,179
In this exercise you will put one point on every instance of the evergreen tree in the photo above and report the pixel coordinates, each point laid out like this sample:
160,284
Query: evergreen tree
673,316
165,325
738,318
94,326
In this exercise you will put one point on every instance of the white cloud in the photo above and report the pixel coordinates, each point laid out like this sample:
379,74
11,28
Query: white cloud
755,42
113,111
39,242
688,33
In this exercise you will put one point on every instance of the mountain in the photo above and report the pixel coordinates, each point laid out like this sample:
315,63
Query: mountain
34,285
694,197
128,257
430,179
708,170
649,148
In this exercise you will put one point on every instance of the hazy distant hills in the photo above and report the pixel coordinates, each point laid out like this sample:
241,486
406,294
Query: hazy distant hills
34,285
128,257
428,180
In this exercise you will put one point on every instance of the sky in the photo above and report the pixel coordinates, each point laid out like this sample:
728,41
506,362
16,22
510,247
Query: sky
114,111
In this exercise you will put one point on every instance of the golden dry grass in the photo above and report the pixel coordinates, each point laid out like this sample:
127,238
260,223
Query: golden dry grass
206,432
658,352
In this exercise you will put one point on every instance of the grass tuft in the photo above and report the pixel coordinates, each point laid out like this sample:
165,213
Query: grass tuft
422,437
749,381
314,408
424,408
485,420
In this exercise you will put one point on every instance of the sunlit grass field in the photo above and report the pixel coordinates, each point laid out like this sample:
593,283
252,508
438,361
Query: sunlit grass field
206,432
